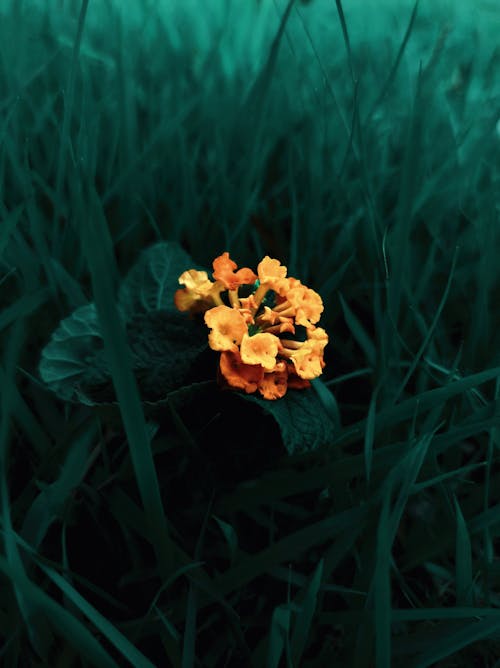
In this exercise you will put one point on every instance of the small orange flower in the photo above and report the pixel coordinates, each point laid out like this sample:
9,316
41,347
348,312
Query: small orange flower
228,328
239,375
275,383
199,292
270,272
260,349
300,302
308,357
224,272
250,332
307,303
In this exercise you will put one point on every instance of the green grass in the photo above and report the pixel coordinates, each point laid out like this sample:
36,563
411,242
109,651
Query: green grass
356,142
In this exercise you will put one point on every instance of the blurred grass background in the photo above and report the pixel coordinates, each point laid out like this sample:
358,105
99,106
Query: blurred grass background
359,143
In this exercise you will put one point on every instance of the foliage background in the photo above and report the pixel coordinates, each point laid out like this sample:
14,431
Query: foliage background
360,146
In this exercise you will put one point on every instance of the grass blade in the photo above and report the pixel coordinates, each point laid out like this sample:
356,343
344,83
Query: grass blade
463,561
124,646
278,635
430,331
359,333
425,400
395,67
95,233
454,641
370,434
382,589
72,630
303,618
65,144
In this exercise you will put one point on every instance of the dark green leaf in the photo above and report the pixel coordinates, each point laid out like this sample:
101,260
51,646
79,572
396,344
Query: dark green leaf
303,421
151,283
73,361
165,346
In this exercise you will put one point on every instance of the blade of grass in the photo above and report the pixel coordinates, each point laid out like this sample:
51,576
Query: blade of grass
487,537
8,225
382,608
304,617
189,644
35,624
72,630
23,307
94,232
345,34
425,400
430,331
278,635
359,333
48,505
328,400
463,560
404,215
453,641
296,543
65,141
26,420
370,434
109,631
395,67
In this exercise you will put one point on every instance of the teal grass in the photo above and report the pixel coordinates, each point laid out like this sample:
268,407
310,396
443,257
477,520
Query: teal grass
358,143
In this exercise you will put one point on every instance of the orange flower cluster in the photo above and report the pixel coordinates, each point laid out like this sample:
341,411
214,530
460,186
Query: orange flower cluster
268,339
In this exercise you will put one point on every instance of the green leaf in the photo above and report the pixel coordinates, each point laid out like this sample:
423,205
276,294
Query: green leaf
152,282
165,346
304,423
74,360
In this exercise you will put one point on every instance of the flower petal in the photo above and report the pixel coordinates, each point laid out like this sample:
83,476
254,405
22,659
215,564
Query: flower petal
270,271
239,375
224,272
260,349
228,328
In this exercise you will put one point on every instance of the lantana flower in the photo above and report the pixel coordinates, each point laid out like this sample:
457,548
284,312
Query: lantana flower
199,292
268,337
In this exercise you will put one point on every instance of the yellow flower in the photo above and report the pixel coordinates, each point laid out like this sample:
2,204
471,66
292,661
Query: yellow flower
250,333
199,292
271,275
260,349
270,272
300,302
307,356
239,375
224,272
274,384
228,328
307,303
